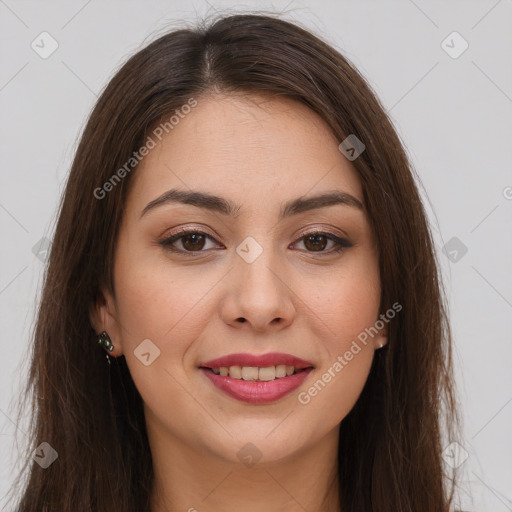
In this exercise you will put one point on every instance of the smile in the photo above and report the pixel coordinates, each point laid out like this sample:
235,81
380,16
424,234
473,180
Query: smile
254,373
257,379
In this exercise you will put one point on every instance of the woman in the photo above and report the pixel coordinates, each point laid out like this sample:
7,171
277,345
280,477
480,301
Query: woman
242,234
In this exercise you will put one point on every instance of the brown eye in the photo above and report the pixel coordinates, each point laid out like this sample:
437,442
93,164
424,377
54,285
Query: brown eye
187,242
318,241
193,242
315,242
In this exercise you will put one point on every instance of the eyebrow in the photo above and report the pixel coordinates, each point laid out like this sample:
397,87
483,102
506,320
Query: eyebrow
226,207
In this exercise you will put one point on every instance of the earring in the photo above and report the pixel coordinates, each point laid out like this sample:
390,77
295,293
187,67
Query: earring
105,342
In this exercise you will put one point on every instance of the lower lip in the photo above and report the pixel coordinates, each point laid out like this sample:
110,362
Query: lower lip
257,392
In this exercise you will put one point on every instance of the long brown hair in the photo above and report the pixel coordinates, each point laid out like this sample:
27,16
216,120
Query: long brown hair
390,446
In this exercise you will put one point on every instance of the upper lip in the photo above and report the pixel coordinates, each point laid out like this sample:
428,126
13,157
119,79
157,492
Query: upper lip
262,361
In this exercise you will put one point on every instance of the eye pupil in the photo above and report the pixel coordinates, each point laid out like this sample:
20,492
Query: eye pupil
195,237
316,245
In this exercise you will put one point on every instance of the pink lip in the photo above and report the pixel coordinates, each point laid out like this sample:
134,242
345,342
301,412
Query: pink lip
263,360
257,392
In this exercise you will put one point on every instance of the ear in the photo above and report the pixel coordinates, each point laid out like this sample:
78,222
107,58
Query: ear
381,339
103,317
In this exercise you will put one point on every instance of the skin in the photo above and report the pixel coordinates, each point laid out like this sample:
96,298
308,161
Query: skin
259,153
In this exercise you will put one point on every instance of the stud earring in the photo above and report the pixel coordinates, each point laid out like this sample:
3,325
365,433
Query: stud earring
105,342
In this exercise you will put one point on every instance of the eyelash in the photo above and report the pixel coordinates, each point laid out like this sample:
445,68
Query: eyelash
341,242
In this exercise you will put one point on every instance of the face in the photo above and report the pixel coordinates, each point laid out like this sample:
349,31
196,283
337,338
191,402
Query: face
259,275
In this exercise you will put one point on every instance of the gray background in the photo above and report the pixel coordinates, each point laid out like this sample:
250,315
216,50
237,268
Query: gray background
453,115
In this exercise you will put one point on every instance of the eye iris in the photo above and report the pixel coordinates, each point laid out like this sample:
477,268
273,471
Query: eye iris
316,245
194,237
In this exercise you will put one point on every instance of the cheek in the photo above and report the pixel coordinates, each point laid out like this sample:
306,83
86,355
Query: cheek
345,302
169,308
158,302
336,389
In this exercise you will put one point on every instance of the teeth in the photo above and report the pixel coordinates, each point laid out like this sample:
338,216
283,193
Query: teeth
267,373
281,371
249,373
235,372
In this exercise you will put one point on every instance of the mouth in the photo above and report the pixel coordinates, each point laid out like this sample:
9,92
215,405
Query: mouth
255,373
257,379
264,367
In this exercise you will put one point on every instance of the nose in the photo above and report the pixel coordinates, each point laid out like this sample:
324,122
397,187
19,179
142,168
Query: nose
258,296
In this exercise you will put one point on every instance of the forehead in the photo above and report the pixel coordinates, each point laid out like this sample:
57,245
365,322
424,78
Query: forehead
252,149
